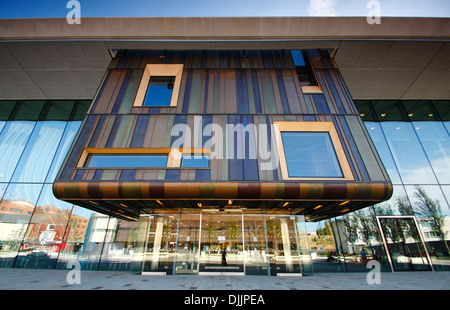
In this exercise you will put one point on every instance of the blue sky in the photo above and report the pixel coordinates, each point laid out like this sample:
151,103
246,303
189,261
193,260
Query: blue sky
151,8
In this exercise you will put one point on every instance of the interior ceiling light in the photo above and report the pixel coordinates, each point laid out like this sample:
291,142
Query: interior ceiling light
199,204
318,207
345,210
230,202
159,202
285,204
123,205
343,203
93,202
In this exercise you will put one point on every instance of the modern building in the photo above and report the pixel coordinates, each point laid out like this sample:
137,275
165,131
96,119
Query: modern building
245,146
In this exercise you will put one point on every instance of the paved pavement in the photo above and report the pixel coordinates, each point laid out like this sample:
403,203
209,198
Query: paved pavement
38,279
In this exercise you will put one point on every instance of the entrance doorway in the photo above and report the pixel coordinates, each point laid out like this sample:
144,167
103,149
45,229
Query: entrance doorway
406,249
216,242
222,242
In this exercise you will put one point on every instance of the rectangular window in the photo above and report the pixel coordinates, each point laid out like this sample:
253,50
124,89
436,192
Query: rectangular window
159,86
143,158
311,151
159,91
305,72
310,154
126,161
194,161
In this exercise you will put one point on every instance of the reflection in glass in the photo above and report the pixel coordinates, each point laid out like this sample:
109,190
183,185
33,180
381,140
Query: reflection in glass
45,232
256,255
16,209
66,141
195,161
408,154
404,244
188,247
436,143
13,140
378,139
433,216
82,238
310,154
40,148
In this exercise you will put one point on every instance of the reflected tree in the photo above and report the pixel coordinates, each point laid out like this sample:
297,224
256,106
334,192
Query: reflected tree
430,210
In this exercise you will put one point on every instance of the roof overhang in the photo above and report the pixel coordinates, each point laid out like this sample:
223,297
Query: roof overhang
401,58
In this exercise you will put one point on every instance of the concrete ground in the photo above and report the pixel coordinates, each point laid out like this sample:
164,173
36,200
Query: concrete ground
38,279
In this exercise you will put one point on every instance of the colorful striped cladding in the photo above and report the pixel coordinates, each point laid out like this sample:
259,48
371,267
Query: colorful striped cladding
247,91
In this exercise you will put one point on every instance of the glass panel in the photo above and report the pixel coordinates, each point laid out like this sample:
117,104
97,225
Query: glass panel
159,91
27,110
6,107
404,244
303,243
188,247
379,140
408,154
16,209
360,240
80,110
13,139
161,244
256,254
66,141
126,161
45,232
310,154
433,215
83,239
119,246
221,242
137,255
57,111
40,148
398,204
283,245
389,110
436,143
194,161
325,255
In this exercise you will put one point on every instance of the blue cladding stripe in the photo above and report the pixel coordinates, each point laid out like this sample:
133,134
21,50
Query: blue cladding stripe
122,92
203,175
256,92
113,132
235,166
284,100
98,129
205,100
187,91
334,91
273,147
179,119
250,164
128,175
206,120
173,174
321,104
140,130
242,92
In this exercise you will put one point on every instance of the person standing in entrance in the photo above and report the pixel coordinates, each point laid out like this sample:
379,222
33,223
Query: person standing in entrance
224,254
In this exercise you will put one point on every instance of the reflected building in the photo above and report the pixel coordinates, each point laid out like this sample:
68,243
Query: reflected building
265,156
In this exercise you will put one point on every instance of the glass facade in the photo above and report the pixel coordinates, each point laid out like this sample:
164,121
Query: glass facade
410,231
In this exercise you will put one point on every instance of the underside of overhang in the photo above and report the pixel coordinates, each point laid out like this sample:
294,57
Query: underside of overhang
317,201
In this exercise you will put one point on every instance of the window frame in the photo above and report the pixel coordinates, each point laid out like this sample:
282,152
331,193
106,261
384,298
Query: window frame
159,70
173,156
302,126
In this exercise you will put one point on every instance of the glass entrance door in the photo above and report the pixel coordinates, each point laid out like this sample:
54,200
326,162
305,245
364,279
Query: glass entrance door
221,242
405,245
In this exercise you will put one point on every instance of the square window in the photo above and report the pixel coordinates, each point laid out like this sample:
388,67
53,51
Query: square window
311,151
310,154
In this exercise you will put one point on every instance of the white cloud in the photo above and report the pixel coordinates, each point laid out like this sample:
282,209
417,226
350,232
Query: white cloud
322,8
